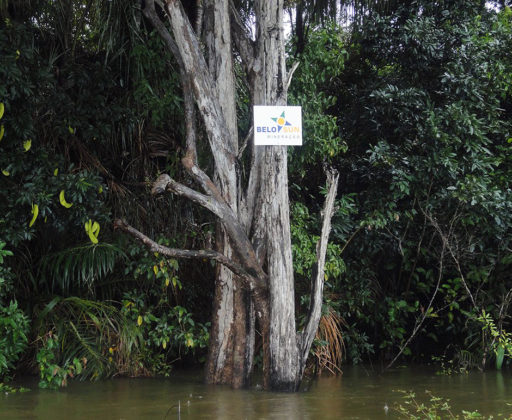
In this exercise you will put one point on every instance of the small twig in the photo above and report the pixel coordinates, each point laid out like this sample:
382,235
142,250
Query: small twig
350,239
445,239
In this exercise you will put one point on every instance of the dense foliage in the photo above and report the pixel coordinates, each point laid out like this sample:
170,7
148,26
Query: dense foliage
412,105
424,108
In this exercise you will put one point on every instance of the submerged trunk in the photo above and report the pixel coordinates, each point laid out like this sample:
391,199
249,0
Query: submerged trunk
230,355
272,218
254,283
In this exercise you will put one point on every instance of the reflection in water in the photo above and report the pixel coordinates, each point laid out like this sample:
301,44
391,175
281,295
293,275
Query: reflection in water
358,394
500,385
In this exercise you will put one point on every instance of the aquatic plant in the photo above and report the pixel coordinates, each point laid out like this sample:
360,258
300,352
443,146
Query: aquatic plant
52,375
436,408
8,389
501,340
95,335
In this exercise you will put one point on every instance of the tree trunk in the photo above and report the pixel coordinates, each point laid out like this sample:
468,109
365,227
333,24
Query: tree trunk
271,219
254,279
230,355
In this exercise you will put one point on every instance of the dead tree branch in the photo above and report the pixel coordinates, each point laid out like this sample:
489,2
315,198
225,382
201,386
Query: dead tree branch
317,284
248,280
218,206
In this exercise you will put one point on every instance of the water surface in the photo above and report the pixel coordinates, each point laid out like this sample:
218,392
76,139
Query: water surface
359,393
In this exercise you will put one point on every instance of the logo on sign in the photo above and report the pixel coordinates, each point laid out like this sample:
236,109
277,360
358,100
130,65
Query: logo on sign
275,126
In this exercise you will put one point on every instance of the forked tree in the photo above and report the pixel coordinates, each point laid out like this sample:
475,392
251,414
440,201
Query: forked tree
254,287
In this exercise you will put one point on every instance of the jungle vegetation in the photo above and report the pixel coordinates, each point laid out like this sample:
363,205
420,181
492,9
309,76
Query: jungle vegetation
410,102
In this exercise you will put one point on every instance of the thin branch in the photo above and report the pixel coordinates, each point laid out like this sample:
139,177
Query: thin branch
202,85
317,284
244,44
188,95
150,13
166,183
218,206
446,238
350,239
245,141
426,312
290,74
190,118
248,280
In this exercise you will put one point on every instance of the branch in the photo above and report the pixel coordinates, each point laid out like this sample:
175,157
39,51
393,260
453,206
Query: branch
290,74
150,13
188,96
446,239
425,312
243,42
202,85
190,118
247,280
317,284
245,142
218,206
166,183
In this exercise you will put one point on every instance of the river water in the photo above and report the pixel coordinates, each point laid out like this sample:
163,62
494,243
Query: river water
359,393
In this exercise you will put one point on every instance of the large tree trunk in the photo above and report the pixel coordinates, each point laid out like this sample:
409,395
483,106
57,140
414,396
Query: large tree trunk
230,350
272,215
255,274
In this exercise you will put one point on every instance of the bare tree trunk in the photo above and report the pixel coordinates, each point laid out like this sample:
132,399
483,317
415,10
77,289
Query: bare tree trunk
230,351
219,366
271,217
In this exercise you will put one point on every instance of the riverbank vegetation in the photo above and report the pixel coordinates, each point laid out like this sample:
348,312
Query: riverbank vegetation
411,103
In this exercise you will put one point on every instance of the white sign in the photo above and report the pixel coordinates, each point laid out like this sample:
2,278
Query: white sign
277,126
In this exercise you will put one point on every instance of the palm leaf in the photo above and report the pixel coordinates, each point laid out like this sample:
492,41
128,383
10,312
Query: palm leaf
79,267
87,330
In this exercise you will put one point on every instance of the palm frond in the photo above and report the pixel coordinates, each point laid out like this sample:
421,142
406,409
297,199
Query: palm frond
94,332
329,355
79,267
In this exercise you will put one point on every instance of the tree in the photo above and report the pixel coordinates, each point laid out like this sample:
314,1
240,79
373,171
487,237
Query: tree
255,282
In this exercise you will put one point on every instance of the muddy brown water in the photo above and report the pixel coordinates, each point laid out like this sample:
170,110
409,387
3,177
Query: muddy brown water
360,393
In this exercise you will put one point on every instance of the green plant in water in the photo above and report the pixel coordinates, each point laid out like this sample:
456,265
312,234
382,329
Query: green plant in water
448,367
8,389
436,408
168,331
80,331
501,340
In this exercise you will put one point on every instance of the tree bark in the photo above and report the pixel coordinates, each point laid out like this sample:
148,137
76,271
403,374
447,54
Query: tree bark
230,351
